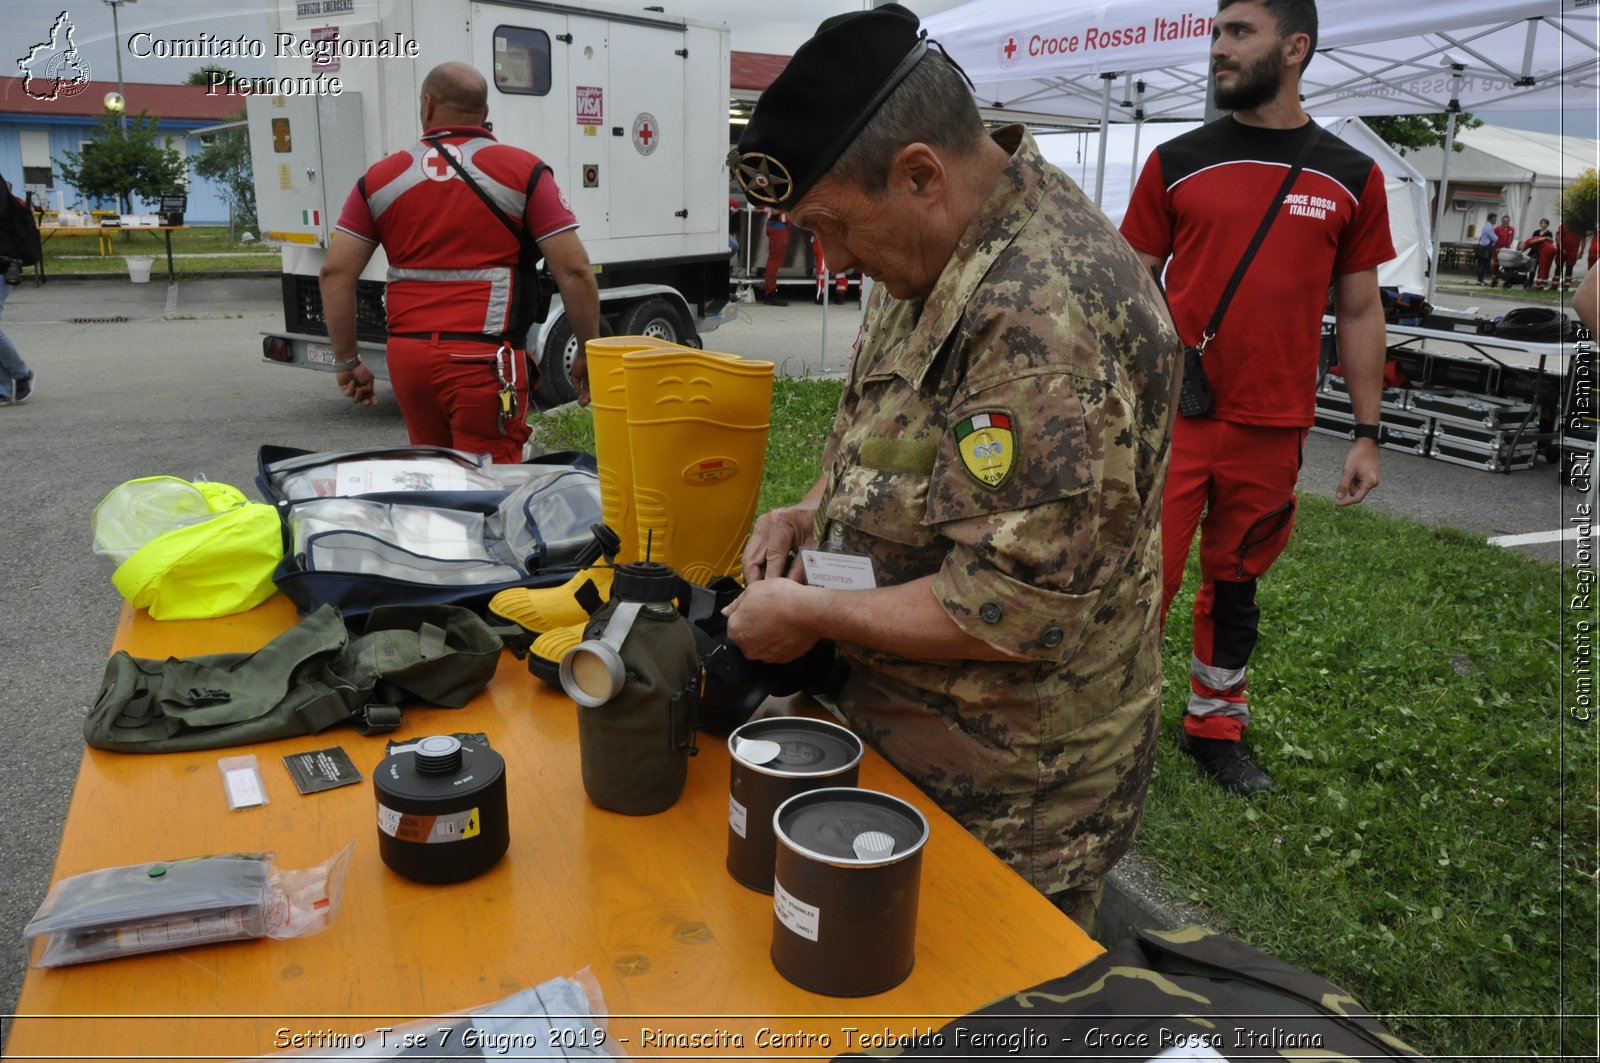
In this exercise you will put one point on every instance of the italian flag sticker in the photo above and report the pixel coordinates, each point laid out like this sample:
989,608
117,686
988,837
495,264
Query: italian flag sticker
311,217
987,447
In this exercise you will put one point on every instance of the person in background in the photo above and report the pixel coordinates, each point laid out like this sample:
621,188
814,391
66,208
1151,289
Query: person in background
16,379
841,281
1487,240
1504,233
1567,243
453,284
995,466
777,247
1541,244
1199,201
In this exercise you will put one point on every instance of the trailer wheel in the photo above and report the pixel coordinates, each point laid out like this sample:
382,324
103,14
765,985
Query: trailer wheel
555,365
658,319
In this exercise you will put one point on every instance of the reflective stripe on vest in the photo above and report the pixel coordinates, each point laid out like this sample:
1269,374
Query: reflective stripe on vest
511,200
514,201
496,314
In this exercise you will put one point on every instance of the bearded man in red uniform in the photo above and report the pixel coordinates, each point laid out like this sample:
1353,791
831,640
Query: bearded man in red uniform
1198,202
457,367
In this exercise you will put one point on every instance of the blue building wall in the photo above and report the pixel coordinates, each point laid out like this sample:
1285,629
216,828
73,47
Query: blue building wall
67,133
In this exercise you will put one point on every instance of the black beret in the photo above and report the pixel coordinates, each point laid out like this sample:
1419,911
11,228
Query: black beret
812,111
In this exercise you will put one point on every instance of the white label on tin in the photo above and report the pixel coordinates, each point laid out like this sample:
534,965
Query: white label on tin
428,830
794,913
736,815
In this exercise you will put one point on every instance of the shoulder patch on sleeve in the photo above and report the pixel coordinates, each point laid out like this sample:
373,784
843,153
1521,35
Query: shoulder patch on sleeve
987,447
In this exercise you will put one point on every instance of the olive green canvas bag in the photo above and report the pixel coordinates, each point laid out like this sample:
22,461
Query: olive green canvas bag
312,677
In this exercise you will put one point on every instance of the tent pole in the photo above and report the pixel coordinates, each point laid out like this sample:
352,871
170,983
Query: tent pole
1105,120
1138,127
1444,177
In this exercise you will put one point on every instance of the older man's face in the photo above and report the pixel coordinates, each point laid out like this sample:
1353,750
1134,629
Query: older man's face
882,236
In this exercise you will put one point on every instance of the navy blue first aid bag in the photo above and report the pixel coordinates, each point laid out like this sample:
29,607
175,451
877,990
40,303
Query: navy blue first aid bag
425,525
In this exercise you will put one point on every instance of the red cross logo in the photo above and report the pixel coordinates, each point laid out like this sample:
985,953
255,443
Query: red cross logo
1010,51
436,167
645,133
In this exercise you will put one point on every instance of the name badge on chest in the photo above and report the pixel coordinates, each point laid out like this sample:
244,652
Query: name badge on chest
838,571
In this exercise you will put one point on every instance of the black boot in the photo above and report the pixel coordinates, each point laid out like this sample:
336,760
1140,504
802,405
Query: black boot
1227,763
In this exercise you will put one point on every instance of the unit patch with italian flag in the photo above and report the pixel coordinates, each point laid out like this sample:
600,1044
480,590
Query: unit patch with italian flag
987,447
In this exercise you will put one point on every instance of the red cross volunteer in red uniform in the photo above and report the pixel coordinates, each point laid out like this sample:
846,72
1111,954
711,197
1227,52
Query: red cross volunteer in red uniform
1198,202
457,371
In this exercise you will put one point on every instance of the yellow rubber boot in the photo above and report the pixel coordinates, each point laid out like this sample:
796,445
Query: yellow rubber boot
551,646
546,608
608,398
697,429
543,609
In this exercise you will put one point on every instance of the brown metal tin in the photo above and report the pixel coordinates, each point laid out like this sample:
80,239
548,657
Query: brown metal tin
814,753
845,925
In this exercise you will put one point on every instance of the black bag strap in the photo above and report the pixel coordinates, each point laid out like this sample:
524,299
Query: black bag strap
1259,237
519,231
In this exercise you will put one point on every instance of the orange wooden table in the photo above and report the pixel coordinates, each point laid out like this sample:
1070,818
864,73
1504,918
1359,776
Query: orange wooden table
676,944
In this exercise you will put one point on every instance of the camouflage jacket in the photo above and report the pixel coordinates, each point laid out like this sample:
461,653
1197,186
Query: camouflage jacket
1008,435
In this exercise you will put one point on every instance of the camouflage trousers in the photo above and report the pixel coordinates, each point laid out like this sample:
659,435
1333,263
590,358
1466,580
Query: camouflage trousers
1052,782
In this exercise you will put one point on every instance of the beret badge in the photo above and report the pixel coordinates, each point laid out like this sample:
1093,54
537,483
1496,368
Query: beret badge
764,179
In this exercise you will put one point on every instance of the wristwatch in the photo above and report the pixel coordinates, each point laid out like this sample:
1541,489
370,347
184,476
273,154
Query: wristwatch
1364,431
348,364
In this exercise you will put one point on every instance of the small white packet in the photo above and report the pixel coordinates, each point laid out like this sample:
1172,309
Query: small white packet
241,779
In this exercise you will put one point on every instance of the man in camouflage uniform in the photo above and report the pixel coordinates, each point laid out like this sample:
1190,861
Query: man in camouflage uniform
998,455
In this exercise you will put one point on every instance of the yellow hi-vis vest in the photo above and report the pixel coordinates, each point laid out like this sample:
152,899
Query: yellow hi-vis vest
204,549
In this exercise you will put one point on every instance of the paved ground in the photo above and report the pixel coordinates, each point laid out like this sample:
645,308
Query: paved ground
136,380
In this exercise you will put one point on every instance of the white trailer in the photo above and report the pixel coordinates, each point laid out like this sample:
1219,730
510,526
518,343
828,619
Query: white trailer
629,109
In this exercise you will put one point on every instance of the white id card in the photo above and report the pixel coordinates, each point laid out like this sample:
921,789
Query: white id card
836,571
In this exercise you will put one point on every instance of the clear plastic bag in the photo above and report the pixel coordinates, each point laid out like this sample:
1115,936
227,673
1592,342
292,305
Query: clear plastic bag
563,1018
169,904
135,512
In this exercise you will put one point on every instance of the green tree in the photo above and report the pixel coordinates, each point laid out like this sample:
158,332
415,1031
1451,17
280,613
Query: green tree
121,162
1408,132
1579,205
226,160
203,75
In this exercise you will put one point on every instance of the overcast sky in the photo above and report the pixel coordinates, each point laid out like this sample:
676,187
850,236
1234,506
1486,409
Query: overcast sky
756,25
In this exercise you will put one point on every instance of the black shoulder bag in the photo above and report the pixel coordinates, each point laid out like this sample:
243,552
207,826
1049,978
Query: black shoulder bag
530,299
1196,399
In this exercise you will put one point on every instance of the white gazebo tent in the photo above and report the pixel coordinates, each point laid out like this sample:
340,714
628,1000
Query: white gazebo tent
1131,60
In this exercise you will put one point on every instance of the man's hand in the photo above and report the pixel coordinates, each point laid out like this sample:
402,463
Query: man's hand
776,536
1360,473
359,385
768,622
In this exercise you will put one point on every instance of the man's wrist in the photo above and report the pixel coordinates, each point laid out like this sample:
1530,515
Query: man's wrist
347,364
1364,431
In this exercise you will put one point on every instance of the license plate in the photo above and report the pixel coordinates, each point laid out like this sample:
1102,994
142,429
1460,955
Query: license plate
319,353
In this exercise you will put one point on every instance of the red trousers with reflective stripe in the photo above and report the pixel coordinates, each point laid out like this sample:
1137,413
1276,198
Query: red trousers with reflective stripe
450,396
777,247
1234,482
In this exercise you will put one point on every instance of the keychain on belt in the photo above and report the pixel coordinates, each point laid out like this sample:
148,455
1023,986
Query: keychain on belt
505,371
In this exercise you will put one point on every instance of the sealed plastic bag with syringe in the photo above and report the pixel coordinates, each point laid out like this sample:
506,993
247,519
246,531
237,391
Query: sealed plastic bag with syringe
172,904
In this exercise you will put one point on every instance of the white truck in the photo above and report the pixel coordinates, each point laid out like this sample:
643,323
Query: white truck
629,109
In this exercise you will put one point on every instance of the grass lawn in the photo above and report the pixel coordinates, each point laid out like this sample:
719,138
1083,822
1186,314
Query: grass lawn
202,249
1432,846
